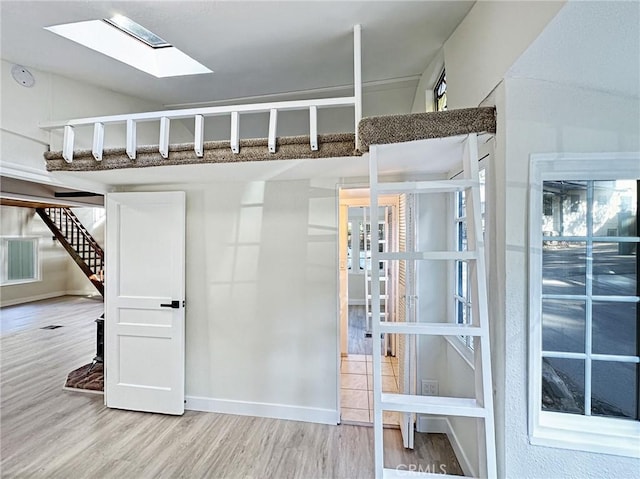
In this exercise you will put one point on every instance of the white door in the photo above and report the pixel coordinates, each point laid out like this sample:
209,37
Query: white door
144,319
407,360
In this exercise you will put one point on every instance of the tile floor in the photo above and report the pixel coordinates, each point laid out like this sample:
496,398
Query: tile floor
356,388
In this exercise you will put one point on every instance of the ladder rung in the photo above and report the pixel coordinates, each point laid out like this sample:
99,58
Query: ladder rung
382,296
435,255
388,473
429,255
433,329
381,278
431,186
381,313
447,406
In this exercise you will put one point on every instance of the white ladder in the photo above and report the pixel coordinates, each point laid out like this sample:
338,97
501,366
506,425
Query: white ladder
482,405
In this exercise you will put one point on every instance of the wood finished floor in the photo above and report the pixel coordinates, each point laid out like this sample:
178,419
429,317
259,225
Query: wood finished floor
358,343
46,432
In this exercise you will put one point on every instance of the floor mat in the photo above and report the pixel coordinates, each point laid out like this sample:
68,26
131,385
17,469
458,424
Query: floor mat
83,380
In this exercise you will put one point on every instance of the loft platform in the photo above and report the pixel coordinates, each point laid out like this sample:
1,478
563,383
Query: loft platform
286,148
379,130
384,130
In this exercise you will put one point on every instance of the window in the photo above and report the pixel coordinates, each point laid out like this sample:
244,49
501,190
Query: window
19,260
462,294
585,305
360,247
440,93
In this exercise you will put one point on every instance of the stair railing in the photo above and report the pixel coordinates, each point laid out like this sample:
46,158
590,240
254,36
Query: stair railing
77,241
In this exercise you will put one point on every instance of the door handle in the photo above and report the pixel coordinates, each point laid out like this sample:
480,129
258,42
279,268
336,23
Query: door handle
175,304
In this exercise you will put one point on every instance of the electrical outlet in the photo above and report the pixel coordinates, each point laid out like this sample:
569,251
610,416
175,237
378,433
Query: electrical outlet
429,387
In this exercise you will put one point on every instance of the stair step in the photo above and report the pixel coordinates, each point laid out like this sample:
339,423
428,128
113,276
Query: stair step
431,186
432,329
429,255
447,406
403,473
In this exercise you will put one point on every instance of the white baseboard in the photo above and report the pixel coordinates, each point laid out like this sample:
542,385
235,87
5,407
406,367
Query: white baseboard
40,297
82,292
275,411
29,299
443,425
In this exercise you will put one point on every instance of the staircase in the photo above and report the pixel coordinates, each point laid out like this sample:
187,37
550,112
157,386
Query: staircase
78,242
481,406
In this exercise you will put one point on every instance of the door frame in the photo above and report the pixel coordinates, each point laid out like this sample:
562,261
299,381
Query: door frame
354,196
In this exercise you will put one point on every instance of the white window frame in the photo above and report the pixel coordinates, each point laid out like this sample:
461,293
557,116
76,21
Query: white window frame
555,429
4,260
466,348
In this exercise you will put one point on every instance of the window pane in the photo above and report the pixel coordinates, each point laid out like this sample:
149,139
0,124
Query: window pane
564,208
461,204
462,287
460,312
614,269
615,205
563,326
563,385
20,259
615,328
563,268
614,389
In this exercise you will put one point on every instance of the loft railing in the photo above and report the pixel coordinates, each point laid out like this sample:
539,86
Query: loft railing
199,115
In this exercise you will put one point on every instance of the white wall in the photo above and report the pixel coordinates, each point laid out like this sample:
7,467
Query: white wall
487,42
423,98
262,298
580,121
58,98
432,288
394,98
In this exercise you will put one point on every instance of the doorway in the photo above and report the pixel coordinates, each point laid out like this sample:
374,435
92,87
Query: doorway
356,232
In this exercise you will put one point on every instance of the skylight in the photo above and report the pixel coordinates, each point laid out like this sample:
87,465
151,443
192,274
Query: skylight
137,31
130,43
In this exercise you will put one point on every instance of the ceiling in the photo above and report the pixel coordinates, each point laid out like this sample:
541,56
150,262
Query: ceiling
28,194
594,45
254,48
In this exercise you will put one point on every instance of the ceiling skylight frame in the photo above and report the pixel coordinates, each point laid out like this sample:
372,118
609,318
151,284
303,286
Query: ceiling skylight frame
114,42
137,31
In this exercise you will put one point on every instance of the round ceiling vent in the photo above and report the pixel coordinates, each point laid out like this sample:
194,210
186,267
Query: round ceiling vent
22,76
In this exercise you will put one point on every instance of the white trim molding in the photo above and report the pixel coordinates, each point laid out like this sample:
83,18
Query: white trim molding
596,434
40,297
260,409
36,175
